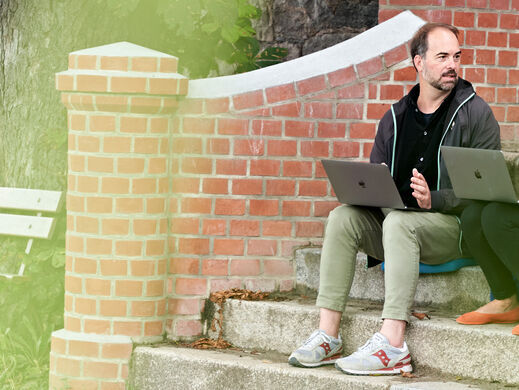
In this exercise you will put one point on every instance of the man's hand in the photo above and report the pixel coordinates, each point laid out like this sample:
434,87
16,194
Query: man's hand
421,190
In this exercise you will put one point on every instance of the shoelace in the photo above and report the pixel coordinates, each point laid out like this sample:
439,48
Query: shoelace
314,340
370,345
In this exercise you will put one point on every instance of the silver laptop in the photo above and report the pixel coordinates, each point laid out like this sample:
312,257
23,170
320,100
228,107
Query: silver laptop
363,184
479,174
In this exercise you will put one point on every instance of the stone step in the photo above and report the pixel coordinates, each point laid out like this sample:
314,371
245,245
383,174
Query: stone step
487,352
182,368
462,290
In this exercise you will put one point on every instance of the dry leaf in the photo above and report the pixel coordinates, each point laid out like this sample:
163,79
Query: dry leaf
420,316
407,374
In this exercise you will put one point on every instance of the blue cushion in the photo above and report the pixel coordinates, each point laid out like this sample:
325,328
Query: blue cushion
449,266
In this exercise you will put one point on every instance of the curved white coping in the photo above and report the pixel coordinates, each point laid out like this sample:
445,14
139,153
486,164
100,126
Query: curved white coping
371,43
92,337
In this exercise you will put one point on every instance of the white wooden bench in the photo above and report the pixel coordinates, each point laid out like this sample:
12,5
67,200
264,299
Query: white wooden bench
21,215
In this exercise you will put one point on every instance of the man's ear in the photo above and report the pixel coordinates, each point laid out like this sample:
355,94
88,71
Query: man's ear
418,62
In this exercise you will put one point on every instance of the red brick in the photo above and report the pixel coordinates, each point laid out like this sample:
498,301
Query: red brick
296,208
196,246
342,76
464,19
369,67
280,93
512,114
435,15
214,227
507,95
467,56
185,185
264,207
266,127
509,21
188,328
485,57
191,286
366,149
496,76
198,125
184,306
184,225
318,110
499,4
197,165
345,149
229,206
499,113
218,267
455,3
314,84
297,168
227,246
377,110
486,93
289,109
277,228
352,92
415,2
278,267
262,247
248,100
391,92
475,38
187,145
281,187
231,167
264,167
247,187
514,40
244,228
299,129
260,284
487,20
196,205
475,75
477,3
497,39
309,229
396,55
257,112
514,76
507,132
350,110
249,147
191,106
228,126
245,267
282,148
405,74
386,14
323,208
217,146
508,58
215,186
217,106
183,265
373,91
315,148
224,284
362,130
313,188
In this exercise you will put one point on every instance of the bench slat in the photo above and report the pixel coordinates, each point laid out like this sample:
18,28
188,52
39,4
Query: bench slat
26,226
26,199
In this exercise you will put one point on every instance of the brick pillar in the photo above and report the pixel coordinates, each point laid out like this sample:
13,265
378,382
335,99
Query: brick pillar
120,99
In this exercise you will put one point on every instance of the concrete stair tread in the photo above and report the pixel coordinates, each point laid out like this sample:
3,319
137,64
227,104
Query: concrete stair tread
170,367
486,352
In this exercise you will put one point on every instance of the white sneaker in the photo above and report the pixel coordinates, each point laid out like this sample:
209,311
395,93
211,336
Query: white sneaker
318,350
376,357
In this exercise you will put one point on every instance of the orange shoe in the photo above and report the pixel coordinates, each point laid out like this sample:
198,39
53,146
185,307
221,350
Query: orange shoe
516,330
477,318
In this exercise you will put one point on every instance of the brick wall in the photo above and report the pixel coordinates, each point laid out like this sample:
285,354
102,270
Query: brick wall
249,185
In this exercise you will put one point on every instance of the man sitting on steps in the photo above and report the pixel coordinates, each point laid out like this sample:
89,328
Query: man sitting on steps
442,109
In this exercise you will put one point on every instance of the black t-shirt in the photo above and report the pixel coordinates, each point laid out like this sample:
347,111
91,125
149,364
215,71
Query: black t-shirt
417,146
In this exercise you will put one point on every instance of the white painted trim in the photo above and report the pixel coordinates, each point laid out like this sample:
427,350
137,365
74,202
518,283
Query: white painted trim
371,43
92,337
122,49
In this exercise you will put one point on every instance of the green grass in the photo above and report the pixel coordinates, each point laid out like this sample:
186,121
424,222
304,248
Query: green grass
30,309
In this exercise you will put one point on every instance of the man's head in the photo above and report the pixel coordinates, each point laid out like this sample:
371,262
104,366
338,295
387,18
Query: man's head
436,55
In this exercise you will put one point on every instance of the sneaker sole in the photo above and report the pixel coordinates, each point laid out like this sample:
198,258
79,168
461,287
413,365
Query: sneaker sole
397,370
330,360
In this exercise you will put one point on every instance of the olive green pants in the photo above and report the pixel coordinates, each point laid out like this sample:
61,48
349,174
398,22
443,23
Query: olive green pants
401,238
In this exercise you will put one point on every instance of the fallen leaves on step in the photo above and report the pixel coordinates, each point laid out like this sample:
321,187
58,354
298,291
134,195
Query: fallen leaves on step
420,316
407,374
206,343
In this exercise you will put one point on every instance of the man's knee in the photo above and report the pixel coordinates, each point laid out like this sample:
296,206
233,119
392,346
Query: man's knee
343,216
396,221
471,217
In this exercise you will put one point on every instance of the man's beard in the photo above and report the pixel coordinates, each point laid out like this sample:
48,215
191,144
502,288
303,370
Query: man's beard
445,86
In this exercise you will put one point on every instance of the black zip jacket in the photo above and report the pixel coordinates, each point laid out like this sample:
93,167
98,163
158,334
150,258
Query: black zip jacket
470,123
